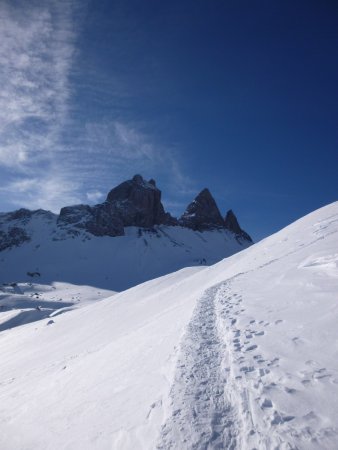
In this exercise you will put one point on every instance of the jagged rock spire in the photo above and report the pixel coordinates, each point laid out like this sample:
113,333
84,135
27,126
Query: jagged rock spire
137,203
203,213
231,223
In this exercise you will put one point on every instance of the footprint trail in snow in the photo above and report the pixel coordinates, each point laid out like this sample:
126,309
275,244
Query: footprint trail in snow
225,384
201,416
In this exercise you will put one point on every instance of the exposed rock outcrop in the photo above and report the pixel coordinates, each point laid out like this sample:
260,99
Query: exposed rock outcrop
202,214
14,230
23,215
134,202
231,224
138,203
99,220
13,237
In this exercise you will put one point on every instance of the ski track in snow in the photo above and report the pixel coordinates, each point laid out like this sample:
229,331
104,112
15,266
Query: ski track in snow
220,394
202,417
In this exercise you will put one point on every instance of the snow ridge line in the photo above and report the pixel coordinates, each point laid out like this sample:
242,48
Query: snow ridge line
201,417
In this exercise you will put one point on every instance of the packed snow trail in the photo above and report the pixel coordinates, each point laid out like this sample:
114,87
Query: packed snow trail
202,416
221,396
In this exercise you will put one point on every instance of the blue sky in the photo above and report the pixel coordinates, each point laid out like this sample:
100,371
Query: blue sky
238,96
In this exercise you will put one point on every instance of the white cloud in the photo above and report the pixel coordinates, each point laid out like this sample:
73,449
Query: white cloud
52,158
36,53
37,46
126,150
119,140
42,192
94,196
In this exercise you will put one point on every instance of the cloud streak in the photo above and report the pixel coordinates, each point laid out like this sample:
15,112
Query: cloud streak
36,52
51,153
43,192
119,149
37,48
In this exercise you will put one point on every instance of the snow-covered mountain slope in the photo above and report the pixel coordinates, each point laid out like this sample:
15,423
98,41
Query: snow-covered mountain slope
126,240
117,244
115,263
240,355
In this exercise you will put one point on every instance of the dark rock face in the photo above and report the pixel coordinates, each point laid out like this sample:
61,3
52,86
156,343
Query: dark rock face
23,215
20,214
105,222
231,224
98,220
13,231
138,203
134,202
202,214
14,237
77,214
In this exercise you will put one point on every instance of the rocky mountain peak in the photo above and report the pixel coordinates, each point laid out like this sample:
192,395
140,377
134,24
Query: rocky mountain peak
138,179
134,202
134,190
203,213
137,202
231,223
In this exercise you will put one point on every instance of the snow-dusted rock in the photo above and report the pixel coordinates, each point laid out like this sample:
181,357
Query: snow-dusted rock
137,203
202,214
99,220
126,240
231,224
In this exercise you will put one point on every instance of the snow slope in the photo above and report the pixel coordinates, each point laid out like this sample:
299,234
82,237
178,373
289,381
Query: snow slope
240,355
21,303
114,263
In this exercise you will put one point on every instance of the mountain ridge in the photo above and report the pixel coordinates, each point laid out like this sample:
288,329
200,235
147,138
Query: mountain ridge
134,202
137,202
124,241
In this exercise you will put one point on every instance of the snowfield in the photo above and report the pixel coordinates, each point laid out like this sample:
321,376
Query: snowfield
113,263
22,303
239,355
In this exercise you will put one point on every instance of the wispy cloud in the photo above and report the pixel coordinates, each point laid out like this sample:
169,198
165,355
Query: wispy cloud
50,155
37,46
95,196
36,52
119,140
121,149
42,192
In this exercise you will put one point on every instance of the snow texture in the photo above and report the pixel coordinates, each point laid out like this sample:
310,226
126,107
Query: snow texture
239,355
113,263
